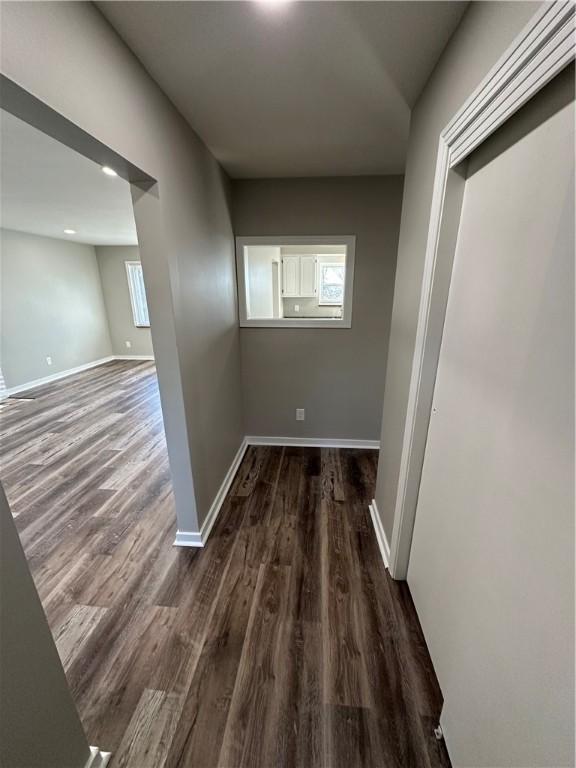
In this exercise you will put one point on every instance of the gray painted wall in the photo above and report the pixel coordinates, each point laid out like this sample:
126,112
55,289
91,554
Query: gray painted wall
492,563
337,375
112,266
184,228
39,725
51,305
485,32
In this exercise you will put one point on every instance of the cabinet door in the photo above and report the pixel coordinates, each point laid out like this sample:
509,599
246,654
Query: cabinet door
290,276
308,276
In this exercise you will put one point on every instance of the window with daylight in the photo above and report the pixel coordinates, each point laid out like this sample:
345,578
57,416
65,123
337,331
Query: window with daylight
331,284
297,282
137,294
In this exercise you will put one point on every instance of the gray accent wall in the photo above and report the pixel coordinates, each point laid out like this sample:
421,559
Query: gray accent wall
39,724
492,563
336,374
112,266
183,225
483,35
51,306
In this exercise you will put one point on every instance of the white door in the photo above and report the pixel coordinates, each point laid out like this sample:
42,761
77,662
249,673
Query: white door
492,561
308,276
290,276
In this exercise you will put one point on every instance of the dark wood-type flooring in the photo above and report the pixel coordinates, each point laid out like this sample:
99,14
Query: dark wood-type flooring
283,642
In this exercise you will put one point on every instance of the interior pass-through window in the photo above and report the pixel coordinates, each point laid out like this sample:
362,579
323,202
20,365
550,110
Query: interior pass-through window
295,281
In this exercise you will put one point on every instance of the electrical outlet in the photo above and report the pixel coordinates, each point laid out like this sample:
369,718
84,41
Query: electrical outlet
128,344
49,360
296,307
300,414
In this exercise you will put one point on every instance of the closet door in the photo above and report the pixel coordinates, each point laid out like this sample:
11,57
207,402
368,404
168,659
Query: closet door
492,562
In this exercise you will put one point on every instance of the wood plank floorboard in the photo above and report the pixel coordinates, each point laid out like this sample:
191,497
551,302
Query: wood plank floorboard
282,644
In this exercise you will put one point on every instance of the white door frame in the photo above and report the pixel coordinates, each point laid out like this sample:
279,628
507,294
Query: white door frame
541,51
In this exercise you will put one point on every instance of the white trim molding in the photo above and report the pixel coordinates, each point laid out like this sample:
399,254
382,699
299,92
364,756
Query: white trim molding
70,372
97,758
541,51
313,442
55,376
134,357
199,538
188,539
380,533
208,523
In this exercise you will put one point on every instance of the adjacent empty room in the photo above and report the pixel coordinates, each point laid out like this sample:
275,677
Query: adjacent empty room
82,447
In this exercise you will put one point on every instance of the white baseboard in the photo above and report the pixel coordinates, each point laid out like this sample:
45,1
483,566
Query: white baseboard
380,533
313,442
208,523
134,357
97,759
199,538
188,539
55,376
69,372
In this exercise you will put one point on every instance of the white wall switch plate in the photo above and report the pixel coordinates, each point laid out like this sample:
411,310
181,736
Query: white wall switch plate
128,344
296,307
49,360
300,414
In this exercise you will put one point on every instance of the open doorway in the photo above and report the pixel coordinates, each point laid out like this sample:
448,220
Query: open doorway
83,456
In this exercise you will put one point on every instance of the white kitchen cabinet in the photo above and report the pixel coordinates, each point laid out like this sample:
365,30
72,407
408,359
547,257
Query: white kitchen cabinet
307,276
299,276
290,276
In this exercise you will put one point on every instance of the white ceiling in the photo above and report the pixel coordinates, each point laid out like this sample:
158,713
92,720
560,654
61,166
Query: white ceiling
292,89
47,188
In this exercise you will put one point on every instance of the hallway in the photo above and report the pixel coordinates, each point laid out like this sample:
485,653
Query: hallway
282,642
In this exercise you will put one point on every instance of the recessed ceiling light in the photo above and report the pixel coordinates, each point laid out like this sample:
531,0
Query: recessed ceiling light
109,171
69,231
